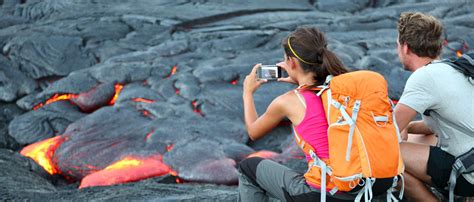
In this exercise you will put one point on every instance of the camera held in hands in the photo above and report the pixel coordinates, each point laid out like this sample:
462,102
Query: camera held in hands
269,72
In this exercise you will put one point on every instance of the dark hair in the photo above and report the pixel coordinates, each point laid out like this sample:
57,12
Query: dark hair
310,46
422,33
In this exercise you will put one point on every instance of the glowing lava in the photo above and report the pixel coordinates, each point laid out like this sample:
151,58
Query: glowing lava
459,53
129,169
148,135
143,100
263,154
196,108
173,71
118,88
234,82
42,152
169,147
55,98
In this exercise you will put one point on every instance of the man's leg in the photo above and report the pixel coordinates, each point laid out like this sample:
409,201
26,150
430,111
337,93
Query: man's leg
415,156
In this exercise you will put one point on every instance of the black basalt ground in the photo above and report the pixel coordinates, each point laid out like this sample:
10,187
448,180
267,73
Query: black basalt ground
180,65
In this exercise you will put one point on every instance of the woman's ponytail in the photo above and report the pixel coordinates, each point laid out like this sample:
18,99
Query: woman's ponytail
332,63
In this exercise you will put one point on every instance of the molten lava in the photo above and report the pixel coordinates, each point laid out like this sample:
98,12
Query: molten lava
55,98
459,53
173,71
196,108
175,174
234,82
146,113
42,152
169,147
118,88
143,100
263,154
129,169
148,135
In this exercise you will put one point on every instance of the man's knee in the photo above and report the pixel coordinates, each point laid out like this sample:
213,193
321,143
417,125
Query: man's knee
248,167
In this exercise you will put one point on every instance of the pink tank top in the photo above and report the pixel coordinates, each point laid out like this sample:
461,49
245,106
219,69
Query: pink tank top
314,126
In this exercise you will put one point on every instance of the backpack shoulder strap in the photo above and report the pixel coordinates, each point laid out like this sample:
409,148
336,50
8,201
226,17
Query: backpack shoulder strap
464,64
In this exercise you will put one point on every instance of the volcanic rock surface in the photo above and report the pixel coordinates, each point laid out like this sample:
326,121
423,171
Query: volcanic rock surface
163,80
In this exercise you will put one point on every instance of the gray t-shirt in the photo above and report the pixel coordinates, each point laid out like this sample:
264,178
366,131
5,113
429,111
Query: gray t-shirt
445,98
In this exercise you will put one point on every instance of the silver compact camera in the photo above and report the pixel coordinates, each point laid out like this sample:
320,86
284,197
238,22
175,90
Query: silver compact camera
269,72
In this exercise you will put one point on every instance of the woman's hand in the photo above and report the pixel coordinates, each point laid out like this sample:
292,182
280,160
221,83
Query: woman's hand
251,83
287,79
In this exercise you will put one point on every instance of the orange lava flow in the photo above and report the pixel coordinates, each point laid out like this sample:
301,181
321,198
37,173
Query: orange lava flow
173,71
263,154
234,82
42,152
459,53
143,100
395,102
118,88
175,174
129,169
55,98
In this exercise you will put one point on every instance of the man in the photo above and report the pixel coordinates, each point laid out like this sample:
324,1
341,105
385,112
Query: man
445,98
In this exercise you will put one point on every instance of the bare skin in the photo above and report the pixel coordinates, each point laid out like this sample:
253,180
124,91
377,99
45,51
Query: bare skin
415,154
286,105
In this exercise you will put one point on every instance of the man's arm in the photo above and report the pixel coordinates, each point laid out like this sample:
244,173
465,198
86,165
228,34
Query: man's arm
404,115
418,127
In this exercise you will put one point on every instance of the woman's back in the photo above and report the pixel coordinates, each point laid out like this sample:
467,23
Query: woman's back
313,127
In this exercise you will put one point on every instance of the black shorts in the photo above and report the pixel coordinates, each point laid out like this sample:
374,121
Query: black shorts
440,164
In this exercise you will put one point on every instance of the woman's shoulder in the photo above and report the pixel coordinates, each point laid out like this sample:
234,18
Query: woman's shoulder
290,95
286,99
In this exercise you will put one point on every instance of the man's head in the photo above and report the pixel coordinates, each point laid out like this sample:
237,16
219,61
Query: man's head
419,36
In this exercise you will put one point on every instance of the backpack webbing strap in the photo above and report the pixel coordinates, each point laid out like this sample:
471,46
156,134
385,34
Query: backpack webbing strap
390,196
394,120
350,120
308,149
355,112
463,164
300,98
366,191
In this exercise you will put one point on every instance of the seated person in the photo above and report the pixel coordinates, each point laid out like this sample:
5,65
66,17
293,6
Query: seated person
308,62
444,97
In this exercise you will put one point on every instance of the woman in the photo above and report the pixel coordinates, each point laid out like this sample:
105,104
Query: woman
308,62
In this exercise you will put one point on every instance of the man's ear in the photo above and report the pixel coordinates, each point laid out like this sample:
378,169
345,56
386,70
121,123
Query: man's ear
405,49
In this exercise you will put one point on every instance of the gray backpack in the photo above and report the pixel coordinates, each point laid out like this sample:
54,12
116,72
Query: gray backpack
464,164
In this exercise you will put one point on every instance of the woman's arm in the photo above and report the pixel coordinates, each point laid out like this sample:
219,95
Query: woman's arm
259,127
256,126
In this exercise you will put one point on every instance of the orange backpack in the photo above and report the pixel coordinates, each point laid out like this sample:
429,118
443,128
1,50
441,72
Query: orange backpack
363,136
